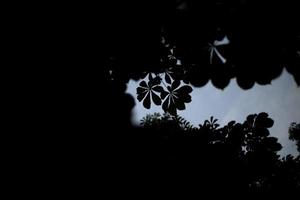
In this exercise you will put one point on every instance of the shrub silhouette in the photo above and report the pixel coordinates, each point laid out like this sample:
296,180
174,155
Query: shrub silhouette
237,156
294,134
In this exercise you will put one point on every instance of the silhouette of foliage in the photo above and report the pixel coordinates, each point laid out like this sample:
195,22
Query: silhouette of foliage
78,132
146,90
157,120
196,42
174,98
246,152
294,134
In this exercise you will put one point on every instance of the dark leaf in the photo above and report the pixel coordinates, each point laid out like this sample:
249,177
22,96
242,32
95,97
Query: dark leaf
167,78
147,101
262,115
272,143
172,108
263,120
151,83
180,105
185,89
143,84
186,81
245,83
156,80
220,83
186,98
158,89
268,122
166,104
141,96
231,123
262,132
156,99
250,119
175,84
163,94
140,90
198,78
277,147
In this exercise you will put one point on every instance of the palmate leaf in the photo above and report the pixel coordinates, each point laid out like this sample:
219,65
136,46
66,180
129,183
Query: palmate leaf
146,92
142,91
173,99
176,97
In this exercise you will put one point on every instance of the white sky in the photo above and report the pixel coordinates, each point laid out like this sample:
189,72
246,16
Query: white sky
281,100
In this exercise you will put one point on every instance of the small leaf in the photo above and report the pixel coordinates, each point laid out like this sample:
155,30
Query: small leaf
231,123
167,78
143,84
175,84
156,99
250,118
172,108
141,96
272,143
158,89
180,105
163,94
165,105
186,98
269,122
140,90
147,101
156,80
262,115
185,89
151,83
186,81
262,132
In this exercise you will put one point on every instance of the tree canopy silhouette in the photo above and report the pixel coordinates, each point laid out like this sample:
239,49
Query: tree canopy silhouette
194,42
238,156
